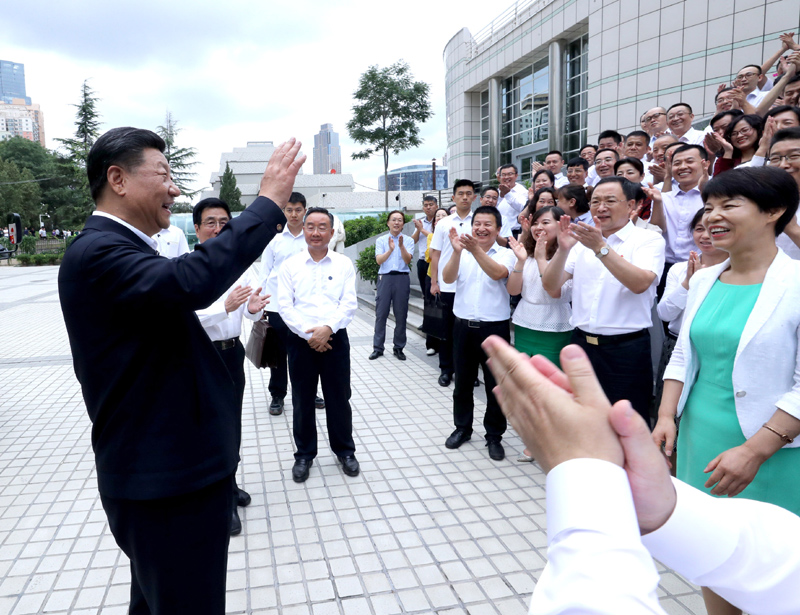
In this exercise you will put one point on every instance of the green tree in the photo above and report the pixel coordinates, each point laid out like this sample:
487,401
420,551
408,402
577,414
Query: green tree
19,194
228,191
181,159
390,105
87,126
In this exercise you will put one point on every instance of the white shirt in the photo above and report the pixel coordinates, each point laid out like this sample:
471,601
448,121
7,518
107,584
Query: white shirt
219,324
586,218
693,136
313,294
422,242
512,204
337,241
599,565
592,177
145,238
395,261
171,242
679,209
538,310
787,245
278,250
601,304
755,97
479,297
673,301
561,181
755,161
441,242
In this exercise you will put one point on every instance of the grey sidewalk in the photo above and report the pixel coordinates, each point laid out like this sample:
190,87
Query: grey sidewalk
421,530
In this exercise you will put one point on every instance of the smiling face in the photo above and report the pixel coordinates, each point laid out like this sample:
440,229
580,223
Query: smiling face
611,208
545,228
484,229
721,125
787,154
541,181
490,198
508,177
604,164
747,79
736,224
318,231
395,223
553,163
628,171
441,214
743,135
679,120
786,119
587,153
149,192
688,167
576,175
545,200
213,219
726,101
702,240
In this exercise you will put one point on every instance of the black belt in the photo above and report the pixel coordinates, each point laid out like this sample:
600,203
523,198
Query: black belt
478,324
604,340
225,344
396,273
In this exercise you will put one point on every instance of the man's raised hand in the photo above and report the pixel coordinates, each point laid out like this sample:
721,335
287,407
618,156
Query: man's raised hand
284,165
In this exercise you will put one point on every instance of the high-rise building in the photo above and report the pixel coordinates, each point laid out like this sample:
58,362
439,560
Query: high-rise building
12,82
327,154
18,116
415,177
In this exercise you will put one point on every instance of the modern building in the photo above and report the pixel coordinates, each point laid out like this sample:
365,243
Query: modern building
551,74
415,177
23,120
327,153
12,82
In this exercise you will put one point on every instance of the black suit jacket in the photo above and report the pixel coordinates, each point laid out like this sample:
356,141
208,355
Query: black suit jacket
161,401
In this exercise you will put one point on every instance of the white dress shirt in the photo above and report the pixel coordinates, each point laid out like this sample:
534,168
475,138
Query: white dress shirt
422,242
313,294
693,136
512,204
479,297
395,261
145,238
679,209
441,242
171,242
561,181
278,250
755,97
601,304
337,241
673,301
599,565
537,310
592,177
219,324
784,242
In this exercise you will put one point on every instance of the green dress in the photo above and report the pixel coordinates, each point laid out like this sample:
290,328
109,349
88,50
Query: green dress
709,424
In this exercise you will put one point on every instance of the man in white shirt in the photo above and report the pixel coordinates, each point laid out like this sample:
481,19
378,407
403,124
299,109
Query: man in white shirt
479,268
578,171
679,120
222,321
615,268
658,168
747,80
553,162
317,300
610,499
785,153
604,163
171,242
489,198
291,241
655,122
513,196
441,250
637,145
422,228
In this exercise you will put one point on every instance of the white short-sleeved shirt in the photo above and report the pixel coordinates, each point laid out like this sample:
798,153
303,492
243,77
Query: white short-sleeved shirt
693,136
601,304
673,301
538,310
422,242
171,242
679,209
561,181
512,204
479,297
441,242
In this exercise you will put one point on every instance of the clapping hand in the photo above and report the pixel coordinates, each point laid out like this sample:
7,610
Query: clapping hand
418,223
257,301
693,265
400,241
469,243
237,297
653,193
566,239
391,244
518,249
454,241
589,236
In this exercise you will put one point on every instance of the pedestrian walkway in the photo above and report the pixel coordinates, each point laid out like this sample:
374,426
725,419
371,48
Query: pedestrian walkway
422,530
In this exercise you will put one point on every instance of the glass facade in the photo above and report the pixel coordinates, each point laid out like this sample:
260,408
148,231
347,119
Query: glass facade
485,136
12,81
415,177
577,75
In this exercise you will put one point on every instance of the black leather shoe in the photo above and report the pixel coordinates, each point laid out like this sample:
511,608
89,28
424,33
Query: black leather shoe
350,465
300,470
242,497
444,379
276,407
236,523
398,352
375,354
496,450
457,438
319,403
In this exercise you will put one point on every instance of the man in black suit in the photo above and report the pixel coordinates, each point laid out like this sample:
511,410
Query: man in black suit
164,423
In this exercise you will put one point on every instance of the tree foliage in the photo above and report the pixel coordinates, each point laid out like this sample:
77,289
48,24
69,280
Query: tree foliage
389,107
364,227
228,191
19,194
180,159
87,126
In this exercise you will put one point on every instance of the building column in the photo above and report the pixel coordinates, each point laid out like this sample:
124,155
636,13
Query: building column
495,125
557,91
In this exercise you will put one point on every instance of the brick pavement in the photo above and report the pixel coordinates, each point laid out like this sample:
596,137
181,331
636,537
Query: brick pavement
422,530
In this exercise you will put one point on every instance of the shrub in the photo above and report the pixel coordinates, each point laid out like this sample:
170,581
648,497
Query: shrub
5,242
41,259
24,259
53,258
359,229
366,264
28,245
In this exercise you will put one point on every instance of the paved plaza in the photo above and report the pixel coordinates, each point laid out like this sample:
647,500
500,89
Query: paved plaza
422,530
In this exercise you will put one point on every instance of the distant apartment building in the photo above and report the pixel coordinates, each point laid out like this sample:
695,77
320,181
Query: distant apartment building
415,177
19,116
327,153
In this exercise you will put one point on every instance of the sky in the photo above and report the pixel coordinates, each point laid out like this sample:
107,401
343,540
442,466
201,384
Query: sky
232,72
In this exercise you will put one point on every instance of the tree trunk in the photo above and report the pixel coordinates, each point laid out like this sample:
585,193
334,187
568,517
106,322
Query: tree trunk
386,177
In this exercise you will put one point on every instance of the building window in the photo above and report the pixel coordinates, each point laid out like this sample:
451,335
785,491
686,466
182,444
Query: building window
577,64
485,136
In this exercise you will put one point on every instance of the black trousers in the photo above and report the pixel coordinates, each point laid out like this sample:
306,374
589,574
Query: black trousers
468,354
307,368
624,369
178,548
279,376
446,345
234,360
425,288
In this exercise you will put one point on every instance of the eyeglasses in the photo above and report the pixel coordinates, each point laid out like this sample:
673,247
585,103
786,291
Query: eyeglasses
506,175
650,118
743,131
744,76
777,159
210,223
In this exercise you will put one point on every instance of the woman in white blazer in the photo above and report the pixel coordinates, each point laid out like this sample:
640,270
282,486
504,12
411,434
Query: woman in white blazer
734,377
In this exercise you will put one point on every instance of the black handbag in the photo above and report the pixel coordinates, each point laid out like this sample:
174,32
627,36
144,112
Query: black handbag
433,320
262,345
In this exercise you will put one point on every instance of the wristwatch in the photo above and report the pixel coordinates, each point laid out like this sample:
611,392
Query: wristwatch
603,252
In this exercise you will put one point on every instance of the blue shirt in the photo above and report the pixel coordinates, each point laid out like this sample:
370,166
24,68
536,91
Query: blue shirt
395,261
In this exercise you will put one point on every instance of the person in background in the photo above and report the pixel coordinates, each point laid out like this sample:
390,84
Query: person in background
659,168
513,196
714,141
679,120
542,178
785,154
423,229
489,198
743,134
604,163
339,238
656,124
573,201
578,171
553,162
637,145
171,242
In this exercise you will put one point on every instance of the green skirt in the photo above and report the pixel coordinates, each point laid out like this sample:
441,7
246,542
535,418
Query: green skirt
546,343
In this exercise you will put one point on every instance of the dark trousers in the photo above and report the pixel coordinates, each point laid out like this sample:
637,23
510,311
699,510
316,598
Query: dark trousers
468,354
624,369
425,288
178,548
234,361
307,368
393,291
279,376
446,345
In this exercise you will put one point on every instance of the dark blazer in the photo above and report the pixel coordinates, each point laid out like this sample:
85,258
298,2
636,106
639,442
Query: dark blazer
160,399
